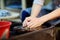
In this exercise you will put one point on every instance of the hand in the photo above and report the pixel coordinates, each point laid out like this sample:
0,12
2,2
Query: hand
35,22
28,19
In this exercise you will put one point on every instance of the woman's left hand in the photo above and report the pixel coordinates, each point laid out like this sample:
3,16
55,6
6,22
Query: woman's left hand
35,22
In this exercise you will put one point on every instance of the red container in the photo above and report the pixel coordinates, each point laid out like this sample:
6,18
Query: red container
4,29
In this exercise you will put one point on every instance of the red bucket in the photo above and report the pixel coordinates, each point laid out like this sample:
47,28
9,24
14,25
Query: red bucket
4,29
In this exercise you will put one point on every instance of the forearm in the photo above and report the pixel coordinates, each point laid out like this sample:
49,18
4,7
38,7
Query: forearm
51,15
35,10
37,5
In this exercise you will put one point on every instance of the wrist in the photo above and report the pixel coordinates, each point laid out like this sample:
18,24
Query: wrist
44,18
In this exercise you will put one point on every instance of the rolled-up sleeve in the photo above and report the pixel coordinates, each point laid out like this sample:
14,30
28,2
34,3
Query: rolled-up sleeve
41,2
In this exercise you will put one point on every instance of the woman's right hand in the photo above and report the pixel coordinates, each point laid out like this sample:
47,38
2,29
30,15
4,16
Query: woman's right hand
28,19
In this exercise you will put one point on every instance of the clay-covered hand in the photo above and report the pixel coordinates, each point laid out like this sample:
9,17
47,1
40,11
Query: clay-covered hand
35,22
28,19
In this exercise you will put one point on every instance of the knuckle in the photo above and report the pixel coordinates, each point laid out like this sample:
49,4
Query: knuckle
26,17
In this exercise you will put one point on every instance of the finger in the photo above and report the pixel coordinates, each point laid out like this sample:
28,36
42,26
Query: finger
28,19
29,24
24,23
36,25
33,26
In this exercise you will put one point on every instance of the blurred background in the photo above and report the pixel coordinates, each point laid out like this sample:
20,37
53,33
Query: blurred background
16,6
